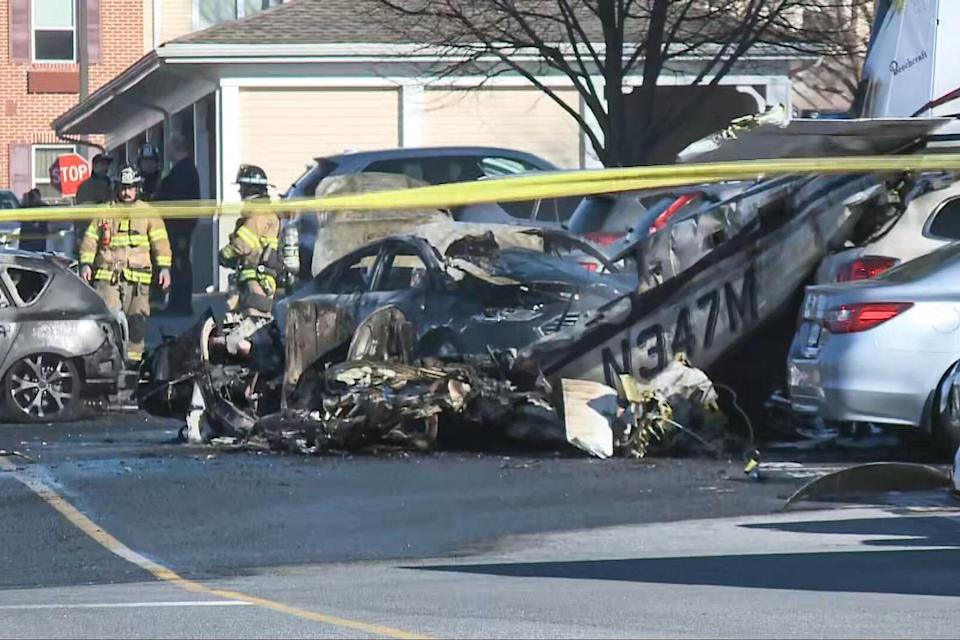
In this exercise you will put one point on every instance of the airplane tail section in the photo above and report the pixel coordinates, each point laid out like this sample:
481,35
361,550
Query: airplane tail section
911,62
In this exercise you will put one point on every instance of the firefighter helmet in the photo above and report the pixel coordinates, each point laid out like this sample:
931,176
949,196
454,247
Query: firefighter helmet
129,176
252,180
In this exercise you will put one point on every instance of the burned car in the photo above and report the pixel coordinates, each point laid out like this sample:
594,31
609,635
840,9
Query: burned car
59,344
467,287
464,289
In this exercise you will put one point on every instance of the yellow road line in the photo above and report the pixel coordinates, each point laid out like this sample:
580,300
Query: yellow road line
114,546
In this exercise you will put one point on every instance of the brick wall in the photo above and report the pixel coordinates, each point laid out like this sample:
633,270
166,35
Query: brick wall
26,117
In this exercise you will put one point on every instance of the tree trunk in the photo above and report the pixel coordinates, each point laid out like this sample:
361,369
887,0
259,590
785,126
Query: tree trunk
611,19
644,138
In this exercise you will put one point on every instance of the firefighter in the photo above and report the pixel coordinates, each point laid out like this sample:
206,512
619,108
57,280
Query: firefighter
253,252
118,255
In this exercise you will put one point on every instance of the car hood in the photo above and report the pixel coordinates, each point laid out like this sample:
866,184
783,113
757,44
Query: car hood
530,267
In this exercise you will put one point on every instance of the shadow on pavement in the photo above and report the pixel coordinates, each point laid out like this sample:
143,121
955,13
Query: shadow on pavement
908,572
904,532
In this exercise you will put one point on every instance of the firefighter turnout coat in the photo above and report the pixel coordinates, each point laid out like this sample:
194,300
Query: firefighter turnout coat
258,280
125,248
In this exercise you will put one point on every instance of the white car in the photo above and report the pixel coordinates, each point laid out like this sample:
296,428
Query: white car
931,220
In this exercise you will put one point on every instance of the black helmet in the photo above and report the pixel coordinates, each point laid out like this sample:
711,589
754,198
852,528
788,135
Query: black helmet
252,178
148,151
128,176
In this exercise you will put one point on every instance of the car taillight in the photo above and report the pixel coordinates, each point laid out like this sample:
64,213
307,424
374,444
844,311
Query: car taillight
852,318
603,239
865,267
589,266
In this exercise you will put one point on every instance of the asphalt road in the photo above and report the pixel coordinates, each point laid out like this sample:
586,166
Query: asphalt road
455,544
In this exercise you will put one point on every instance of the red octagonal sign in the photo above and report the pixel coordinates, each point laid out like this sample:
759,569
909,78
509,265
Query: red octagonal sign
68,172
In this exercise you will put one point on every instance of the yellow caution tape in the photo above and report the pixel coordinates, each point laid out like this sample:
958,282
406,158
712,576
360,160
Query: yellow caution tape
518,188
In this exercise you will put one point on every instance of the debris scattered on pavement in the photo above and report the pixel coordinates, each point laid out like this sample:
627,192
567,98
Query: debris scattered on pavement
871,479
377,393
15,454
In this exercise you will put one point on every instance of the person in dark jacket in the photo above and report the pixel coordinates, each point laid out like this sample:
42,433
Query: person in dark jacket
97,189
182,183
148,162
33,235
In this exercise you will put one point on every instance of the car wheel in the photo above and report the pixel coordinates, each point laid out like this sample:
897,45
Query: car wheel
946,408
42,388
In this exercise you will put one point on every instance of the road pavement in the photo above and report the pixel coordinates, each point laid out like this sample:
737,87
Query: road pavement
194,542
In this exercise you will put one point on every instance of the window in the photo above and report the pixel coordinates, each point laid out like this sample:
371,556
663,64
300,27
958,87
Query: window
4,302
28,284
504,167
946,221
410,168
446,169
8,200
401,271
211,12
354,274
53,31
43,157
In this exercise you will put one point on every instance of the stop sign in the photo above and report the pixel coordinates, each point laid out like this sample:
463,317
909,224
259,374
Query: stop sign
68,172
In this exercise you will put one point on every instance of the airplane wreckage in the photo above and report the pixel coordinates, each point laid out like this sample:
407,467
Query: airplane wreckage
459,333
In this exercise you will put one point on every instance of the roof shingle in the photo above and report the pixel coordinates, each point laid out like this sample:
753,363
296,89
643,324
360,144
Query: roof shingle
304,22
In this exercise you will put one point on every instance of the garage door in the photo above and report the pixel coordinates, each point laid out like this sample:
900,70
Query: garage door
524,119
284,129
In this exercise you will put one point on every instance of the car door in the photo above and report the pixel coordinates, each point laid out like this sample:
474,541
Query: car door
340,285
9,323
405,277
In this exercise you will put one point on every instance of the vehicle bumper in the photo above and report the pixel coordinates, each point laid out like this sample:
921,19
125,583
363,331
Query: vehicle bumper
101,369
854,381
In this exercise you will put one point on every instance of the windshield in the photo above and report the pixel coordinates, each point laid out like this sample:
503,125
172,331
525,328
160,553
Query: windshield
306,184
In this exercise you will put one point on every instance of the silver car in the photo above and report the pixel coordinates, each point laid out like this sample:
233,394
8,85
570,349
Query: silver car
928,220
880,351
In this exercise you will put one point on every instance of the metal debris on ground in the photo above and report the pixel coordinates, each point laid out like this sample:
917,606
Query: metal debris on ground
377,392
874,478
15,454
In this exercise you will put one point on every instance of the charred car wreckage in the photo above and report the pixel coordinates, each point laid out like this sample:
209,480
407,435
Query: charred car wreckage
59,344
457,331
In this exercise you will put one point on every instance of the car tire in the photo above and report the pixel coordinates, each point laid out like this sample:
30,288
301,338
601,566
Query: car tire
42,387
946,424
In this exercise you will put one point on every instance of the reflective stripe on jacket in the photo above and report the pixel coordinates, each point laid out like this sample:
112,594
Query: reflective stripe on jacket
127,247
252,235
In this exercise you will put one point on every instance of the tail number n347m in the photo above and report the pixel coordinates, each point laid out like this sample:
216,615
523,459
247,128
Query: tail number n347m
700,326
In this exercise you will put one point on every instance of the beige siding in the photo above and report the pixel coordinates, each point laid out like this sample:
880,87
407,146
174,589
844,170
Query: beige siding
176,19
524,119
283,129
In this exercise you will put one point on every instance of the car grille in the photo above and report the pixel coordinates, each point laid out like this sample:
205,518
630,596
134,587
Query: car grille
560,322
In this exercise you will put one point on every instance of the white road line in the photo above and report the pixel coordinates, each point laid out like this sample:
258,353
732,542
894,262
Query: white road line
125,605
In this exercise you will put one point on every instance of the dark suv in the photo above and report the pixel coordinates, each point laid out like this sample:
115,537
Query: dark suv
434,165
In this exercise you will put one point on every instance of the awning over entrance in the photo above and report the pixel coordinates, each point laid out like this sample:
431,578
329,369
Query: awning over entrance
137,99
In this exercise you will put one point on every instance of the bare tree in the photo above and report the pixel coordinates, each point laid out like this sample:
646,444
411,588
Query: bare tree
834,77
599,45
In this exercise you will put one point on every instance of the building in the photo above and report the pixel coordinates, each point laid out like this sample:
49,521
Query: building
40,76
310,78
